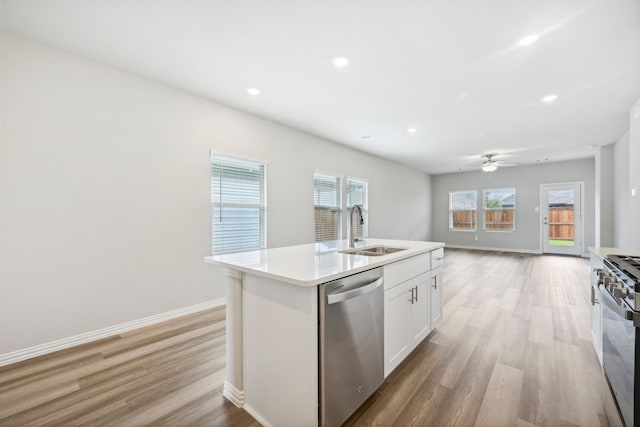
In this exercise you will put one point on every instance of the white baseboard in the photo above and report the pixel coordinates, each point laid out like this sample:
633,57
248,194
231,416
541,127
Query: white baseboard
257,416
61,344
485,248
232,394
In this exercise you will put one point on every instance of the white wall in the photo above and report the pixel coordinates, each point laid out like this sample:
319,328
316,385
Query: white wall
105,198
622,193
634,175
604,197
526,180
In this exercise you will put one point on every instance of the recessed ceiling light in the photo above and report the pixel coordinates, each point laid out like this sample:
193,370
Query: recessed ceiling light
549,98
253,91
340,61
412,130
367,137
528,40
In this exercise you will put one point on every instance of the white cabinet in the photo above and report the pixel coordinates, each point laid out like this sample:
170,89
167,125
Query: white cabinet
407,319
596,308
419,308
396,326
436,297
412,304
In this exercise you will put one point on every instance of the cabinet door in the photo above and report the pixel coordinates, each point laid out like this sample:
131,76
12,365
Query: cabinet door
436,297
396,326
596,308
419,309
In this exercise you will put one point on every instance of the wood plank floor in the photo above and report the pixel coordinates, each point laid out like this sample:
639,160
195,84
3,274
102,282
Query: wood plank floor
169,374
513,350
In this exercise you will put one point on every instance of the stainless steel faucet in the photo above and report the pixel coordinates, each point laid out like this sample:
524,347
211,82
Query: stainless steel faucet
350,234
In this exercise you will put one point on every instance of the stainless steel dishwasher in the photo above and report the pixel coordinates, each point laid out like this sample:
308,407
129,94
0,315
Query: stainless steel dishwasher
351,343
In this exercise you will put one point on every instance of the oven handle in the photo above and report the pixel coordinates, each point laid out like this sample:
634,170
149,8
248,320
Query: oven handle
611,304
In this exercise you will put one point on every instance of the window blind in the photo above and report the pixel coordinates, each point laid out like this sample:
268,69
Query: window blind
462,210
358,194
238,204
327,201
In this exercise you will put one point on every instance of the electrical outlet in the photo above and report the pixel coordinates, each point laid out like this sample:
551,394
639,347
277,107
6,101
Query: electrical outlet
475,238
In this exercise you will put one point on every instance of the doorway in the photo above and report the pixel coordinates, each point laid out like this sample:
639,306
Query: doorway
561,212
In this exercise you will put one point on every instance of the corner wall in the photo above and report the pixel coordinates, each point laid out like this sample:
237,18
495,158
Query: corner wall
105,193
526,180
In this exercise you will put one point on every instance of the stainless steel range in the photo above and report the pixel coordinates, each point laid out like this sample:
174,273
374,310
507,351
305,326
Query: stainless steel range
619,283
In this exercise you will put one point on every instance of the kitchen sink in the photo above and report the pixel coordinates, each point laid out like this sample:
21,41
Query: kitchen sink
373,251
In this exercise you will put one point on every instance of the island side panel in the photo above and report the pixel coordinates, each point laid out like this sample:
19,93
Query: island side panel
280,352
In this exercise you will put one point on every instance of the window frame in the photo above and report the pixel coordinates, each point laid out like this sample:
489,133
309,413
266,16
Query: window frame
365,206
262,206
451,210
338,209
485,210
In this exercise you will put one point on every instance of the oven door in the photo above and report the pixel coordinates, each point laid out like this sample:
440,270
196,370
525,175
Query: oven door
619,349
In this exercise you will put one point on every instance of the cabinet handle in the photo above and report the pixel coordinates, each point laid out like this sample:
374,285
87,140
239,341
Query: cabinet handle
416,294
411,300
435,282
594,300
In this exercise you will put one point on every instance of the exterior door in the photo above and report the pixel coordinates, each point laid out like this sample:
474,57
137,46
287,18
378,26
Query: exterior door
561,212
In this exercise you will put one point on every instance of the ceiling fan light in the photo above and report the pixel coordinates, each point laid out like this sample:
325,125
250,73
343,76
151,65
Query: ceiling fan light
489,166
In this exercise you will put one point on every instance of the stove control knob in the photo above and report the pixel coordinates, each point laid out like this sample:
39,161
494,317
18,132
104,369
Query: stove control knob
620,292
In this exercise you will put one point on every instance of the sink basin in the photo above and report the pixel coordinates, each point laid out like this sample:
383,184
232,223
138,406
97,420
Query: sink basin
373,251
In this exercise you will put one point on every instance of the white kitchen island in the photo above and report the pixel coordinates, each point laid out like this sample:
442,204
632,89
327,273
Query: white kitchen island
272,318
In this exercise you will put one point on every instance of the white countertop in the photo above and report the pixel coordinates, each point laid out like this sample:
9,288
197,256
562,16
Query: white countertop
316,263
602,252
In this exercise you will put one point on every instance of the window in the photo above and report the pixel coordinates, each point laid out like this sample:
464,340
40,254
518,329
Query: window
358,194
462,210
238,204
499,209
327,202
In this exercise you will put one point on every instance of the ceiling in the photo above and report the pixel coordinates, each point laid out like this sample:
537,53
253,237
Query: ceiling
451,69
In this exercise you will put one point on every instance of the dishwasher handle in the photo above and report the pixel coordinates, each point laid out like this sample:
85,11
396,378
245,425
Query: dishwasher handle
354,293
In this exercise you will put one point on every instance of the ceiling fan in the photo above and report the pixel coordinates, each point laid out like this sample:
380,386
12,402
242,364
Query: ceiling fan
490,165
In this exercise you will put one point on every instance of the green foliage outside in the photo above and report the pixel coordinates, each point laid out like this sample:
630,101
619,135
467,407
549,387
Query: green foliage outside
492,203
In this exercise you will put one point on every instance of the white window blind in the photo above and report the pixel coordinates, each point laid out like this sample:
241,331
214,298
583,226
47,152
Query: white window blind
462,210
327,201
358,194
238,204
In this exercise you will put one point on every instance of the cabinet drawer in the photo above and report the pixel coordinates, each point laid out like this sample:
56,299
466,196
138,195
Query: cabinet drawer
437,257
403,270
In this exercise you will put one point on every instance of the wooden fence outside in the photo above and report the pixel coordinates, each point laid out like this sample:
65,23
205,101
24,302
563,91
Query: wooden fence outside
561,223
464,220
499,220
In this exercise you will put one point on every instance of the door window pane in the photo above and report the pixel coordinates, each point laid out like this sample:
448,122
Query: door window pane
561,217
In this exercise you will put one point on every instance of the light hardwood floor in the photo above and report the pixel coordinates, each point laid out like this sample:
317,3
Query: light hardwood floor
513,350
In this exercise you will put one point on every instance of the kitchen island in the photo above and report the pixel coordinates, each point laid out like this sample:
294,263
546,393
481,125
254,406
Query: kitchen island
273,317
